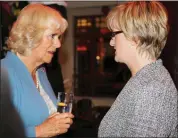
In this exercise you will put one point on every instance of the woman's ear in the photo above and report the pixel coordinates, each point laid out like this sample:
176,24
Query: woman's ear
134,43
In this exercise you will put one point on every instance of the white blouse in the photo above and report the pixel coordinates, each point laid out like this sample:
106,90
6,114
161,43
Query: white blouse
51,107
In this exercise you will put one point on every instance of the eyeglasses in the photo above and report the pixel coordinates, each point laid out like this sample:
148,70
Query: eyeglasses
115,33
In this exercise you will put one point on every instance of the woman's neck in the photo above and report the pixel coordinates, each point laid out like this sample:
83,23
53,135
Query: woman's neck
29,62
138,63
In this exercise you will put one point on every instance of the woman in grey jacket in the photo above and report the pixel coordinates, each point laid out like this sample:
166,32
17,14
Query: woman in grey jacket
147,105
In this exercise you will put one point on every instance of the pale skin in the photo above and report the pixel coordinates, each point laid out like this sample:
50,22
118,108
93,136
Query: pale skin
54,125
57,123
127,52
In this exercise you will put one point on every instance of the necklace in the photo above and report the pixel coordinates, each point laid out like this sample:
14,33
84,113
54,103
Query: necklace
37,81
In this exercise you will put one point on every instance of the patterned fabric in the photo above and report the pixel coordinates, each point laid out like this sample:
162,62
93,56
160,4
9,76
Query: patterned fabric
51,107
146,107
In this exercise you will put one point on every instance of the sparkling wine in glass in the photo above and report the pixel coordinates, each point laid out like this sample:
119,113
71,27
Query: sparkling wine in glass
65,102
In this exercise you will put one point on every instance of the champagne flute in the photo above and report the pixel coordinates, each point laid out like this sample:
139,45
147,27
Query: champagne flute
65,102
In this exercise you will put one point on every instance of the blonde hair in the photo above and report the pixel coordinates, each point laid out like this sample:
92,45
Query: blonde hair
28,30
146,23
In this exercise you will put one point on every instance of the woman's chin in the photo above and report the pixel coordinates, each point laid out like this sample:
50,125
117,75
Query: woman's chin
48,61
117,59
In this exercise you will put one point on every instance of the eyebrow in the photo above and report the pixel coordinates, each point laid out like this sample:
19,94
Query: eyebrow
55,34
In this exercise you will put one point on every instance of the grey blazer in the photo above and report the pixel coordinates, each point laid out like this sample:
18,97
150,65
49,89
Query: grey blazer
146,107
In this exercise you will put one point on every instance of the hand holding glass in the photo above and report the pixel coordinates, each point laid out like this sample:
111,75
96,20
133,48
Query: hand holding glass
65,101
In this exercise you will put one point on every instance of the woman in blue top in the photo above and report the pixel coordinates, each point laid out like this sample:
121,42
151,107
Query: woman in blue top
33,39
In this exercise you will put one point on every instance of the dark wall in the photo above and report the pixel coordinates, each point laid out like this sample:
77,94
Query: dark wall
170,52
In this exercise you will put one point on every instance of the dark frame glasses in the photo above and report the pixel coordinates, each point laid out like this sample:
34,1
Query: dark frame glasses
115,33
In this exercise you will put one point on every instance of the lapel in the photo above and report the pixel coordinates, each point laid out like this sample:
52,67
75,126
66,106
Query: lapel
23,74
20,68
45,84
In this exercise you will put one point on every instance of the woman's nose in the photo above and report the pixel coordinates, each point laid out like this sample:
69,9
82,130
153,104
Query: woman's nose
112,42
57,43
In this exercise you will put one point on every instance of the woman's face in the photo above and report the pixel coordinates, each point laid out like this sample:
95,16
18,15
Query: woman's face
45,50
121,44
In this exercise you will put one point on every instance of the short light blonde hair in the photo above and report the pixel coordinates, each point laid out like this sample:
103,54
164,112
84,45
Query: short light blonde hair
29,28
143,22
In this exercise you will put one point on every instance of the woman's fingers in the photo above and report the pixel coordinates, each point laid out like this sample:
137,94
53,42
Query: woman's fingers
57,123
61,115
54,114
65,115
63,126
62,130
65,121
